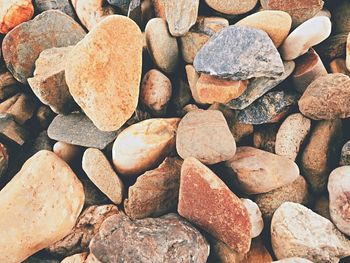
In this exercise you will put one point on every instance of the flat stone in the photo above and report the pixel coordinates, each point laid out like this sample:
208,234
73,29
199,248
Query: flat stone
239,53
257,87
156,192
257,171
49,83
45,197
100,172
255,217
22,46
21,106
232,7
296,231
345,154
4,160
207,202
333,47
338,65
264,137
62,5
11,131
77,129
341,14
152,240
206,136
328,97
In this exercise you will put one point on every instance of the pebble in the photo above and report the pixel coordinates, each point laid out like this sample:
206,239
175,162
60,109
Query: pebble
333,47
341,13
296,231
67,152
166,239
232,7
49,83
162,46
327,98
62,5
338,65
113,72
275,23
45,198
22,46
345,155
77,129
256,171
264,137
255,217
205,135
156,192
305,36
11,131
4,160
339,202
239,53
21,106
144,145
100,172
192,78
208,203
291,135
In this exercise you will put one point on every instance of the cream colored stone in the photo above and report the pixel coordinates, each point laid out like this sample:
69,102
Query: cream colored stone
255,217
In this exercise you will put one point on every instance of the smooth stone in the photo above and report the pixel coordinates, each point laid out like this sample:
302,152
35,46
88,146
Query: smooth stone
270,108
320,155
255,217
333,47
4,160
345,155
305,36
256,171
11,131
296,231
64,6
77,129
169,238
156,192
257,87
22,46
264,137
321,206
21,106
77,258
192,78
144,145
341,14
67,152
275,23
207,202
348,53
338,65
162,46
14,13
239,53
231,7
49,83
291,135
327,98
100,172
45,197
205,135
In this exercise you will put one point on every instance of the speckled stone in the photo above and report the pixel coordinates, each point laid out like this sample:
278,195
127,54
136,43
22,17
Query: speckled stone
232,7
239,53
345,154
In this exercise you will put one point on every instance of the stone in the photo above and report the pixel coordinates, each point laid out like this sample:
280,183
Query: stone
122,5
144,145
339,201
155,192
11,131
333,47
8,85
4,160
345,154
93,196
152,240
348,53
159,8
49,83
45,197
67,152
296,231
291,135
100,172
13,13
77,129
156,90
162,46
86,227
77,258
264,137
62,5
21,106
321,206
207,202
239,53
326,98
257,87
205,135
256,171
192,78
305,36
341,14
296,192
255,217
139,115
320,155
274,22
44,116
181,94
270,108
231,7
22,46
338,65
135,11
293,260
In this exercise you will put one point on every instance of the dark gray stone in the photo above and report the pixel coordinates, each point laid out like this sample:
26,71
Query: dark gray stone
134,11
239,53
345,154
122,5
61,5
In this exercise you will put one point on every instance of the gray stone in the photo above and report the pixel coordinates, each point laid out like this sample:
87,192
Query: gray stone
345,154
61,5
239,53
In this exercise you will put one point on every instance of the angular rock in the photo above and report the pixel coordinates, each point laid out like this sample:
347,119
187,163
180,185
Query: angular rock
62,5
207,202
239,53
333,47
22,46
45,198
232,7
77,129
11,131
345,154
257,171
255,217
21,106
155,192
264,137
153,240
67,152
296,231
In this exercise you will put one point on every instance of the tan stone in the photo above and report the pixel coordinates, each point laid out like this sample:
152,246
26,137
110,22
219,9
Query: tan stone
77,258
21,106
192,78
232,7
67,152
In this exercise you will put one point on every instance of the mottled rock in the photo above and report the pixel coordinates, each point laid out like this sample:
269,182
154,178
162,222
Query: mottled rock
22,46
45,197
67,152
333,47
206,136
255,217
77,258
153,240
159,8
4,160
239,53
264,137
192,78
232,7
296,231
341,14
207,202
62,5
345,154
338,65
11,131
21,106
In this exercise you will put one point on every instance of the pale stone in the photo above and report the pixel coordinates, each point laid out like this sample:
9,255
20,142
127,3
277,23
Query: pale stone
255,217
